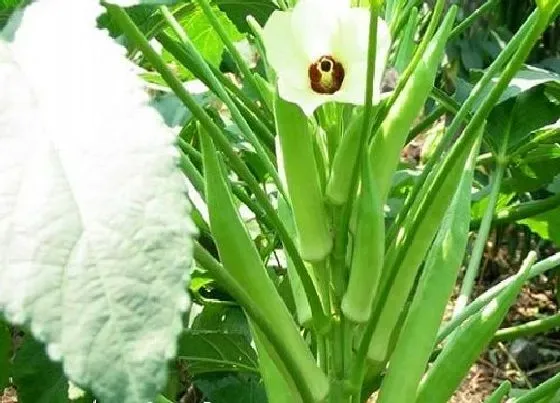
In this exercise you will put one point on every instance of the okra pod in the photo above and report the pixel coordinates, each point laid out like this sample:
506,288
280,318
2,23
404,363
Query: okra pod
469,341
303,310
419,331
368,252
387,144
302,179
405,256
241,258
405,263
346,155
280,387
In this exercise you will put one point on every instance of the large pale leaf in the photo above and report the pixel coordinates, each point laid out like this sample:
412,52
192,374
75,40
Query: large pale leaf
95,239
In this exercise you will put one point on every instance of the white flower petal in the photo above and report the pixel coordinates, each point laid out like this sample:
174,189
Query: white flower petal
351,42
352,46
316,22
283,51
307,99
353,87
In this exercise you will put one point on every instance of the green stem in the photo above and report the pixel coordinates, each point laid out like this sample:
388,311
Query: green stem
132,31
186,59
256,29
528,329
539,23
498,395
467,22
179,53
447,102
241,64
264,154
481,301
523,210
238,292
480,243
427,122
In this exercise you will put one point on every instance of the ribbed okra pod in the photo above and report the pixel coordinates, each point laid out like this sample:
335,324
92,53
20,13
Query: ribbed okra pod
338,186
302,179
367,253
387,144
419,331
241,258
413,256
469,340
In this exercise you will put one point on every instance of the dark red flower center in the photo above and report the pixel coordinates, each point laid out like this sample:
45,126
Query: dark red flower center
326,75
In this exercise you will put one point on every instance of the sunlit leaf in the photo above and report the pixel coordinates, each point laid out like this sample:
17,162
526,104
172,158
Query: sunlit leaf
547,225
95,235
203,37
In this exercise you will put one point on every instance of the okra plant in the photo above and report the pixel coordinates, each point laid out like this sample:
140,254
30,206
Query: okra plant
126,236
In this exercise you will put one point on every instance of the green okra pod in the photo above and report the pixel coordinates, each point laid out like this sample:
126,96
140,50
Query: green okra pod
241,258
405,256
346,155
368,252
280,387
387,144
470,339
419,331
404,262
303,310
303,181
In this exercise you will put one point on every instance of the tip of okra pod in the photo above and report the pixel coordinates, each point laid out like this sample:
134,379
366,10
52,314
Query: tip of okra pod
354,312
316,249
335,194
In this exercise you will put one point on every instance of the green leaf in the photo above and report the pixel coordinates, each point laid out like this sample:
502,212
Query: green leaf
237,388
527,78
547,225
129,3
5,354
515,120
222,318
531,176
212,351
37,378
204,37
238,10
96,238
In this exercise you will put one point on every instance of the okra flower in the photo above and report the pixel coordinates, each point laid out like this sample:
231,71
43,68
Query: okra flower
319,52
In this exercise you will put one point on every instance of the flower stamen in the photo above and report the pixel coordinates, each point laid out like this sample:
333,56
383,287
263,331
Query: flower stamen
326,75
